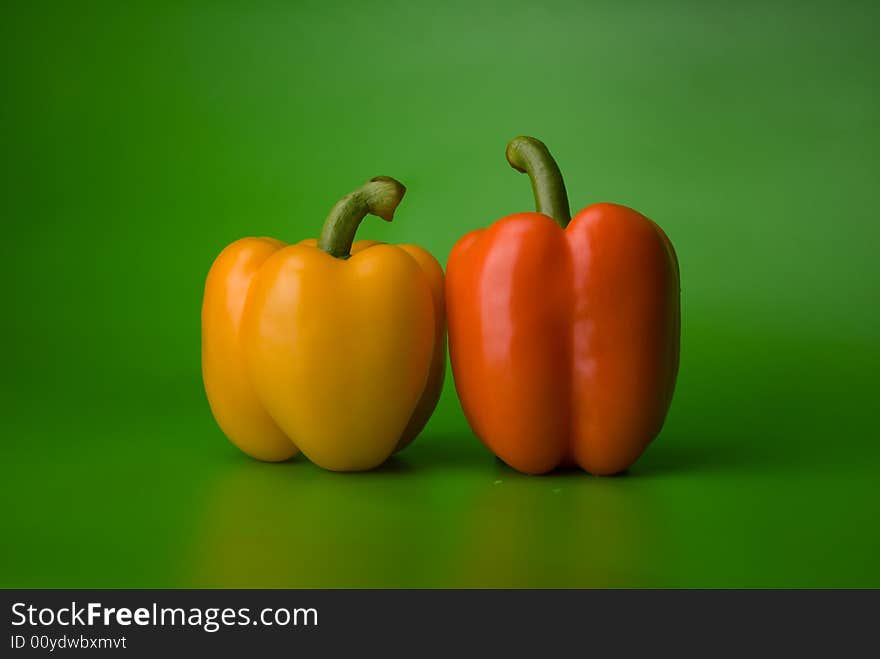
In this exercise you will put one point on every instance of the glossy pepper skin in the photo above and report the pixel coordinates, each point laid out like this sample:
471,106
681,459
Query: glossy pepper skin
564,340
332,348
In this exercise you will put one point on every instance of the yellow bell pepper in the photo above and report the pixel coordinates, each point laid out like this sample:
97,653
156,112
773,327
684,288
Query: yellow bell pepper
329,347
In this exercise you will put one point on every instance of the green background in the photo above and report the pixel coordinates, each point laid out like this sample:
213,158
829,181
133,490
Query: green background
138,140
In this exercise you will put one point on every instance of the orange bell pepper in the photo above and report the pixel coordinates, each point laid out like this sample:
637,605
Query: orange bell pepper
564,333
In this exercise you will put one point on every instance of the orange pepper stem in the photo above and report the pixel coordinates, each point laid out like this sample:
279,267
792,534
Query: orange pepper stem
379,196
530,156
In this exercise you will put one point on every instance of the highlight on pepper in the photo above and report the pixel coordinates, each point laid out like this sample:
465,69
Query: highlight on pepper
564,332
331,347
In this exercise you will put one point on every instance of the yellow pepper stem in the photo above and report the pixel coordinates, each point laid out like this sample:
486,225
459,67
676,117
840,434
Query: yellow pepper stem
379,196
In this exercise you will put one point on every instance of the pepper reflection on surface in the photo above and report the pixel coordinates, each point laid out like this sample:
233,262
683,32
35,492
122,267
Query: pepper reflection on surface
420,522
569,530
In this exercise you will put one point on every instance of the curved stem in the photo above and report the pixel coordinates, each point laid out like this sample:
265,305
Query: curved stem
529,155
378,196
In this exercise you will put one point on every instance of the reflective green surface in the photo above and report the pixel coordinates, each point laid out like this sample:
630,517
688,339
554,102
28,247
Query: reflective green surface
139,140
